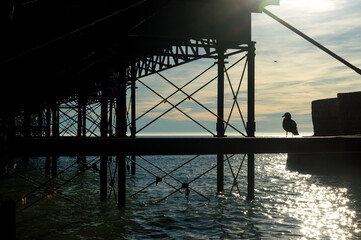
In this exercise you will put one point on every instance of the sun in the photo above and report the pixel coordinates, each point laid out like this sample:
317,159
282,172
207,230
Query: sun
312,5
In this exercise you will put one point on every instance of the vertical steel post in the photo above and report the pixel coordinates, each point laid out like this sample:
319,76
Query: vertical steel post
26,123
83,115
5,135
80,127
220,93
103,134
55,119
9,126
8,219
121,131
47,134
3,155
80,115
251,116
40,122
220,117
110,122
133,116
8,132
26,129
55,129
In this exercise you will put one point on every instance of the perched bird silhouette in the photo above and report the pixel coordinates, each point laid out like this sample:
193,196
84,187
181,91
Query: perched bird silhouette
289,125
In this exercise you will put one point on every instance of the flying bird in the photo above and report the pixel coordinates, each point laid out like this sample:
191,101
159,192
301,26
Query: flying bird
289,125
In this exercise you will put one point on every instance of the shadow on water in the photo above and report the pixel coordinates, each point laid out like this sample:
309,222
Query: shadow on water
336,170
327,164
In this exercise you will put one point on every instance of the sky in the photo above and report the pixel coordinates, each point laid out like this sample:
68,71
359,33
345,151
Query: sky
290,72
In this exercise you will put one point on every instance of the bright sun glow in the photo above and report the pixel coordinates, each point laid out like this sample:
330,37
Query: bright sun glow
312,5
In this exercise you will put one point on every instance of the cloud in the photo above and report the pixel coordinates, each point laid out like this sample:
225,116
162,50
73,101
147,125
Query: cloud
303,72
290,72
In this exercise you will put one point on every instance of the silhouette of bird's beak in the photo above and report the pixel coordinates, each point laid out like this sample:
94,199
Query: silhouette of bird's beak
284,115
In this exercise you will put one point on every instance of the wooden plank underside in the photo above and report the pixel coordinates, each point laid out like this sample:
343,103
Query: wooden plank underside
179,146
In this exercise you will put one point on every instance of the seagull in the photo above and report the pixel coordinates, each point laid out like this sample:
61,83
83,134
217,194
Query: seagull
289,125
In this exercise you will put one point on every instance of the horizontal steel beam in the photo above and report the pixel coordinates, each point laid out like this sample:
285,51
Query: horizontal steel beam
179,146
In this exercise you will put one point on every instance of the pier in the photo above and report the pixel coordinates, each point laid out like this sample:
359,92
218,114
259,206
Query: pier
128,146
72,89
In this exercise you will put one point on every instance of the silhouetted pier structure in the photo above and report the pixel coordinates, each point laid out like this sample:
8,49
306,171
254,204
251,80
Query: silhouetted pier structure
67,85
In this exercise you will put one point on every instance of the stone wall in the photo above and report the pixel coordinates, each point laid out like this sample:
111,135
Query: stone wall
337,116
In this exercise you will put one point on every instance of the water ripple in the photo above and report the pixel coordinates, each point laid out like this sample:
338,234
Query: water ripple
288,204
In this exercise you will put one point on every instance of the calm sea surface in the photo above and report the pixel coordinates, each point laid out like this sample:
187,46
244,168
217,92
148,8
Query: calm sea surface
288,204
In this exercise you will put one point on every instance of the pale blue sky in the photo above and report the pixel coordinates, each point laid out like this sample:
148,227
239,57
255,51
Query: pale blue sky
302,73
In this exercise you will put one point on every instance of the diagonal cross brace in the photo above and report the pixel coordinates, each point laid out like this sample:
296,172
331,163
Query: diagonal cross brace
320,46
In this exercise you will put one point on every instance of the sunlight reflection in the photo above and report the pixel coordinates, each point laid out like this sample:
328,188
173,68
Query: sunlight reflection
319,206
323,210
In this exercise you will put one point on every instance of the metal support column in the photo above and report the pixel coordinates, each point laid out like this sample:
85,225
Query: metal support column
8,219
47,134
80,122
40,123
104,134
110,121
55,111
220,117
121,131
7,132
26,123
80,115
55,129
26,129
3,155
133,129
251,116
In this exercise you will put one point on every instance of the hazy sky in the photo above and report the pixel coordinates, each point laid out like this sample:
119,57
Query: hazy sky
290,72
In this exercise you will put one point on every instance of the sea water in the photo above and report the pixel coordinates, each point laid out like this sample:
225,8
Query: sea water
287,205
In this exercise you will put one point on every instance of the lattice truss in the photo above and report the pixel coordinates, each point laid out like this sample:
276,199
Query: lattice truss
170,182
180,98
182,94
74,115
58,184
190,93
68,119
164,96
176,55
